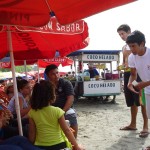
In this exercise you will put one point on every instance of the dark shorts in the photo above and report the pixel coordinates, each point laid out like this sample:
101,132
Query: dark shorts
72,119
54,147
131,98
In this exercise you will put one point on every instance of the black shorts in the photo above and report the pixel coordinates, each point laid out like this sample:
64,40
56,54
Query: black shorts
131,97
54,147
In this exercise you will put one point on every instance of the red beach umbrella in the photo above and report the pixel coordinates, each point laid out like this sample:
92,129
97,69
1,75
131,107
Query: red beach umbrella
64,61
17,63
43,42
25,44
37,12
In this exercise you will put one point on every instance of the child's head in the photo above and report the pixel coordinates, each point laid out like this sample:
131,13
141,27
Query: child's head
136,42
124,30
136,37
24,87
43,94
9,90
124,27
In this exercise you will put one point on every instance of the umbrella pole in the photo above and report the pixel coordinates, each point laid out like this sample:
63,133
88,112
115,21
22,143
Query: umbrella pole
75,67
38,72
25,69
14,81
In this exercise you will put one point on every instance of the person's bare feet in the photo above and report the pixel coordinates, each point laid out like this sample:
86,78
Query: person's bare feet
147,148
128,128
144,133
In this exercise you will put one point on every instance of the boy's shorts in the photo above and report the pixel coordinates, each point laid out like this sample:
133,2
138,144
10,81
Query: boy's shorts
131,97
72,119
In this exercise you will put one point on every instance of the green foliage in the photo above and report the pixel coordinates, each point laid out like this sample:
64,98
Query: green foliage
18,69
4,70
22,69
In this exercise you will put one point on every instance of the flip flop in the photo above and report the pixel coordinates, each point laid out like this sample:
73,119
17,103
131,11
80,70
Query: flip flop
144,134
147,148
127,128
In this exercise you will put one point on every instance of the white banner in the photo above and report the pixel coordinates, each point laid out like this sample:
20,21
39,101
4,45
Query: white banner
100,57
102,87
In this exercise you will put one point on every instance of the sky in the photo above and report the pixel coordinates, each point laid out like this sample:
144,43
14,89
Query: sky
103,26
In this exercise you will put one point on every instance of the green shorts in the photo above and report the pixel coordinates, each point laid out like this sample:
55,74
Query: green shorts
142,98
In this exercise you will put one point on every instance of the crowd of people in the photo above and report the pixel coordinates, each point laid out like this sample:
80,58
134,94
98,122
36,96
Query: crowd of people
136,64
45,108
132,98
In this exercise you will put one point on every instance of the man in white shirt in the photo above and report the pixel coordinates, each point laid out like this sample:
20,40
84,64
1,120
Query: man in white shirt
139,62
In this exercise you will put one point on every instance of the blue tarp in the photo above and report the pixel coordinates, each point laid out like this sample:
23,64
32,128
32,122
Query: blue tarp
79,52
5,59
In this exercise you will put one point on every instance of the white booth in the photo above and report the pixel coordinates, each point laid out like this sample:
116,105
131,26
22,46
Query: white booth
103,87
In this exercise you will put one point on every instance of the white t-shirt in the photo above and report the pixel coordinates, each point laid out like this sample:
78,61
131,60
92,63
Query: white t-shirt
142,65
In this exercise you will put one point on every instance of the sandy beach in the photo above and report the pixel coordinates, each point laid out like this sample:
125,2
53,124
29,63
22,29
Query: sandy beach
99,126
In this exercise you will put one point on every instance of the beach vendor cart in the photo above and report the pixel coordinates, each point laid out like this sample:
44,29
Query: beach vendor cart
107,85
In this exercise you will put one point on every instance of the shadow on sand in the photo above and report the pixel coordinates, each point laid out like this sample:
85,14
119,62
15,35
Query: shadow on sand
131,141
